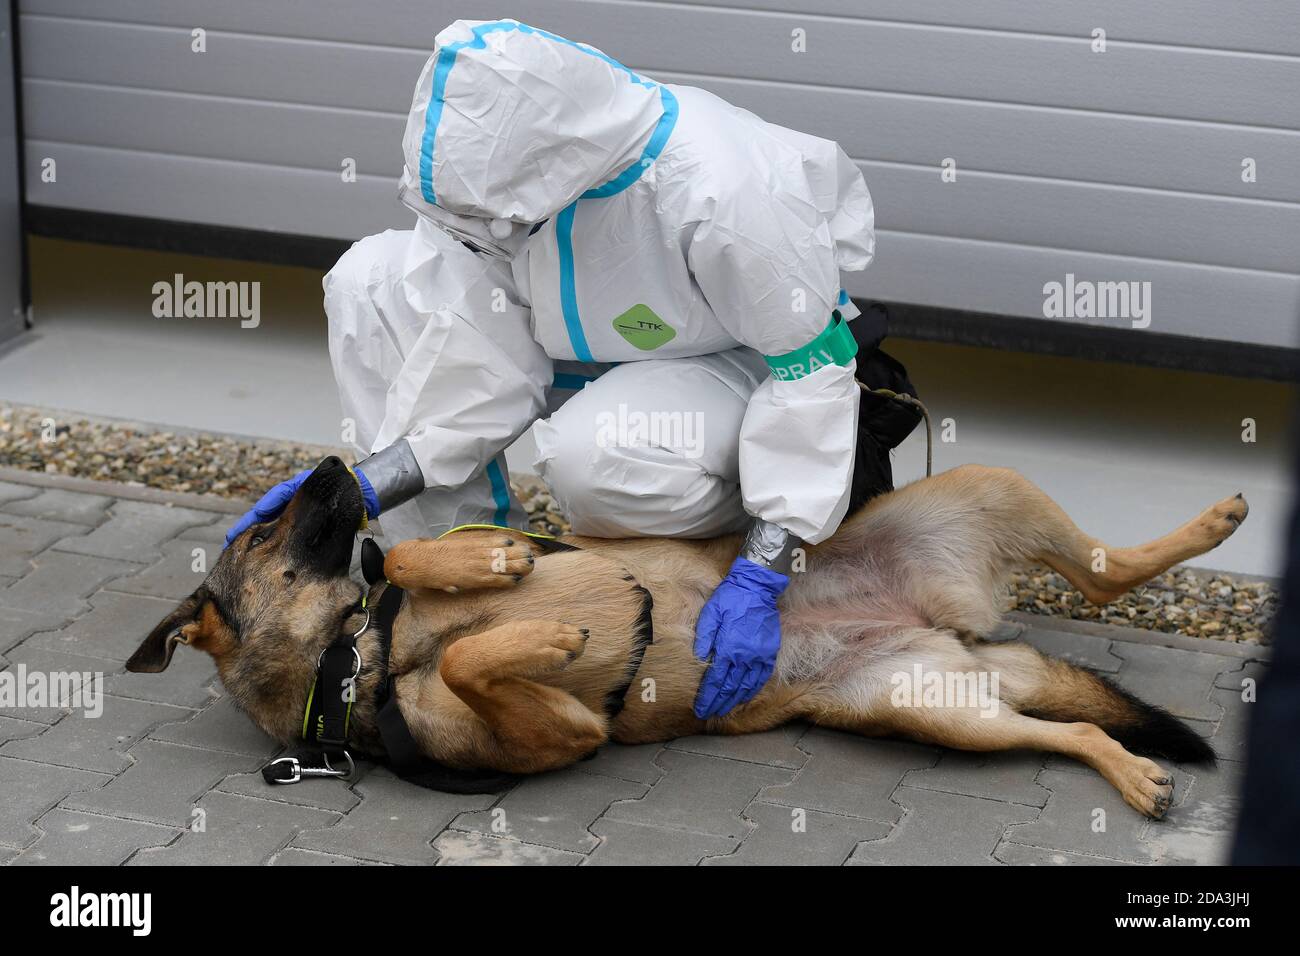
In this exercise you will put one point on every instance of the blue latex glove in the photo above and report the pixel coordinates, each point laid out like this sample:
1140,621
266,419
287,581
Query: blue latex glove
277,499
741,630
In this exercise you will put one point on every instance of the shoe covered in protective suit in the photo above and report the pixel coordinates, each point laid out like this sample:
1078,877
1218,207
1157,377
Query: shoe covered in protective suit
883,422
645,220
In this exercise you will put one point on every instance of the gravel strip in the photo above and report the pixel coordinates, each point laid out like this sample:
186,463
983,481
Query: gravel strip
1180,601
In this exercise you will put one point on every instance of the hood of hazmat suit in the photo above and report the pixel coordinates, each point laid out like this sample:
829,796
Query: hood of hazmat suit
487,141
652,221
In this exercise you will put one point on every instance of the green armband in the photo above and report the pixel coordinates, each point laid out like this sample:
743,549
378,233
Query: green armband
834,346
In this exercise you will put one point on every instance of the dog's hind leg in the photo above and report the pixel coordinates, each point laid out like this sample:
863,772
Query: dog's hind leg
1042,686
1143,783
981,516
929,687
1103,573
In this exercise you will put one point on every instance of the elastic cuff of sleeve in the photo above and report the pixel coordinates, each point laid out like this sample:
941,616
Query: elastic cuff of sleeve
834,346
394,474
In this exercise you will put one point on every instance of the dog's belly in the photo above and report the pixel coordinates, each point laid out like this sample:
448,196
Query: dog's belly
679,576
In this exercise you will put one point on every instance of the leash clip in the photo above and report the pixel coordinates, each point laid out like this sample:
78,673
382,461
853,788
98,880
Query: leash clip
297,771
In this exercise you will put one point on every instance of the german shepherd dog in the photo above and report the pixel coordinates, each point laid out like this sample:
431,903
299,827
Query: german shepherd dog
509,658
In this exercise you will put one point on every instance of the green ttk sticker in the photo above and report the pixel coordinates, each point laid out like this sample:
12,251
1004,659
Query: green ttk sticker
640,326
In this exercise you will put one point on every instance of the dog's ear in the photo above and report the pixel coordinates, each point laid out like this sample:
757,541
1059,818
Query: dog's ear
155,651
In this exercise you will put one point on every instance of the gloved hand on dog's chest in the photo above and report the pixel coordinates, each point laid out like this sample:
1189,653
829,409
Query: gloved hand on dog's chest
740,630
271,504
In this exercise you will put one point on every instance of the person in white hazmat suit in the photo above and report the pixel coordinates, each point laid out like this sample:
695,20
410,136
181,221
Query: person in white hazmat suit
666,262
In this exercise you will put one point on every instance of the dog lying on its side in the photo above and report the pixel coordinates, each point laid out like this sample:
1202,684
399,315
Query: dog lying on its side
512,659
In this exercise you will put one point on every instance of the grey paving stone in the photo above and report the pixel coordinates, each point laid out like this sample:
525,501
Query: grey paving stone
1234,678
135,531
1245,680
636,763
213,532
1008,776
14,728
1199,827
395,823
220,726
187,682
112,629
23,538
775,748
37,663
16,626
1067,822
173,576
948,829
32,788
1232,734
700,794
322,793
1174,679
1083,649
1016,854
470,848
634,844
849,775
94,743
296,857
162,785
54,504
87,839
553,809
238,831
59,582
12,491
786,837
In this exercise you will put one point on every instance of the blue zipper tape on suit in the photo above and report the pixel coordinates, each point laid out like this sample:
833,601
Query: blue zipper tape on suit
564,221
500,493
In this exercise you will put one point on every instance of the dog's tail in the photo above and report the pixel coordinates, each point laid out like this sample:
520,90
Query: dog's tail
1066,692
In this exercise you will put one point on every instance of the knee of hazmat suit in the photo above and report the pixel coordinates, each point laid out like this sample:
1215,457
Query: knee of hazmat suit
647,221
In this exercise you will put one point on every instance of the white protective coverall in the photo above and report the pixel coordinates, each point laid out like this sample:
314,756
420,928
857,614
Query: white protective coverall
618,220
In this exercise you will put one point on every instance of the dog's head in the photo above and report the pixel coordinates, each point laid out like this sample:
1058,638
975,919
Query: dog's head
281,581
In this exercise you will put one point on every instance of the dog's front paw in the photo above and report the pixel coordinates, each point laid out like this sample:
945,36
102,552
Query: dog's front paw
462,562
565,642
542,647
499,563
